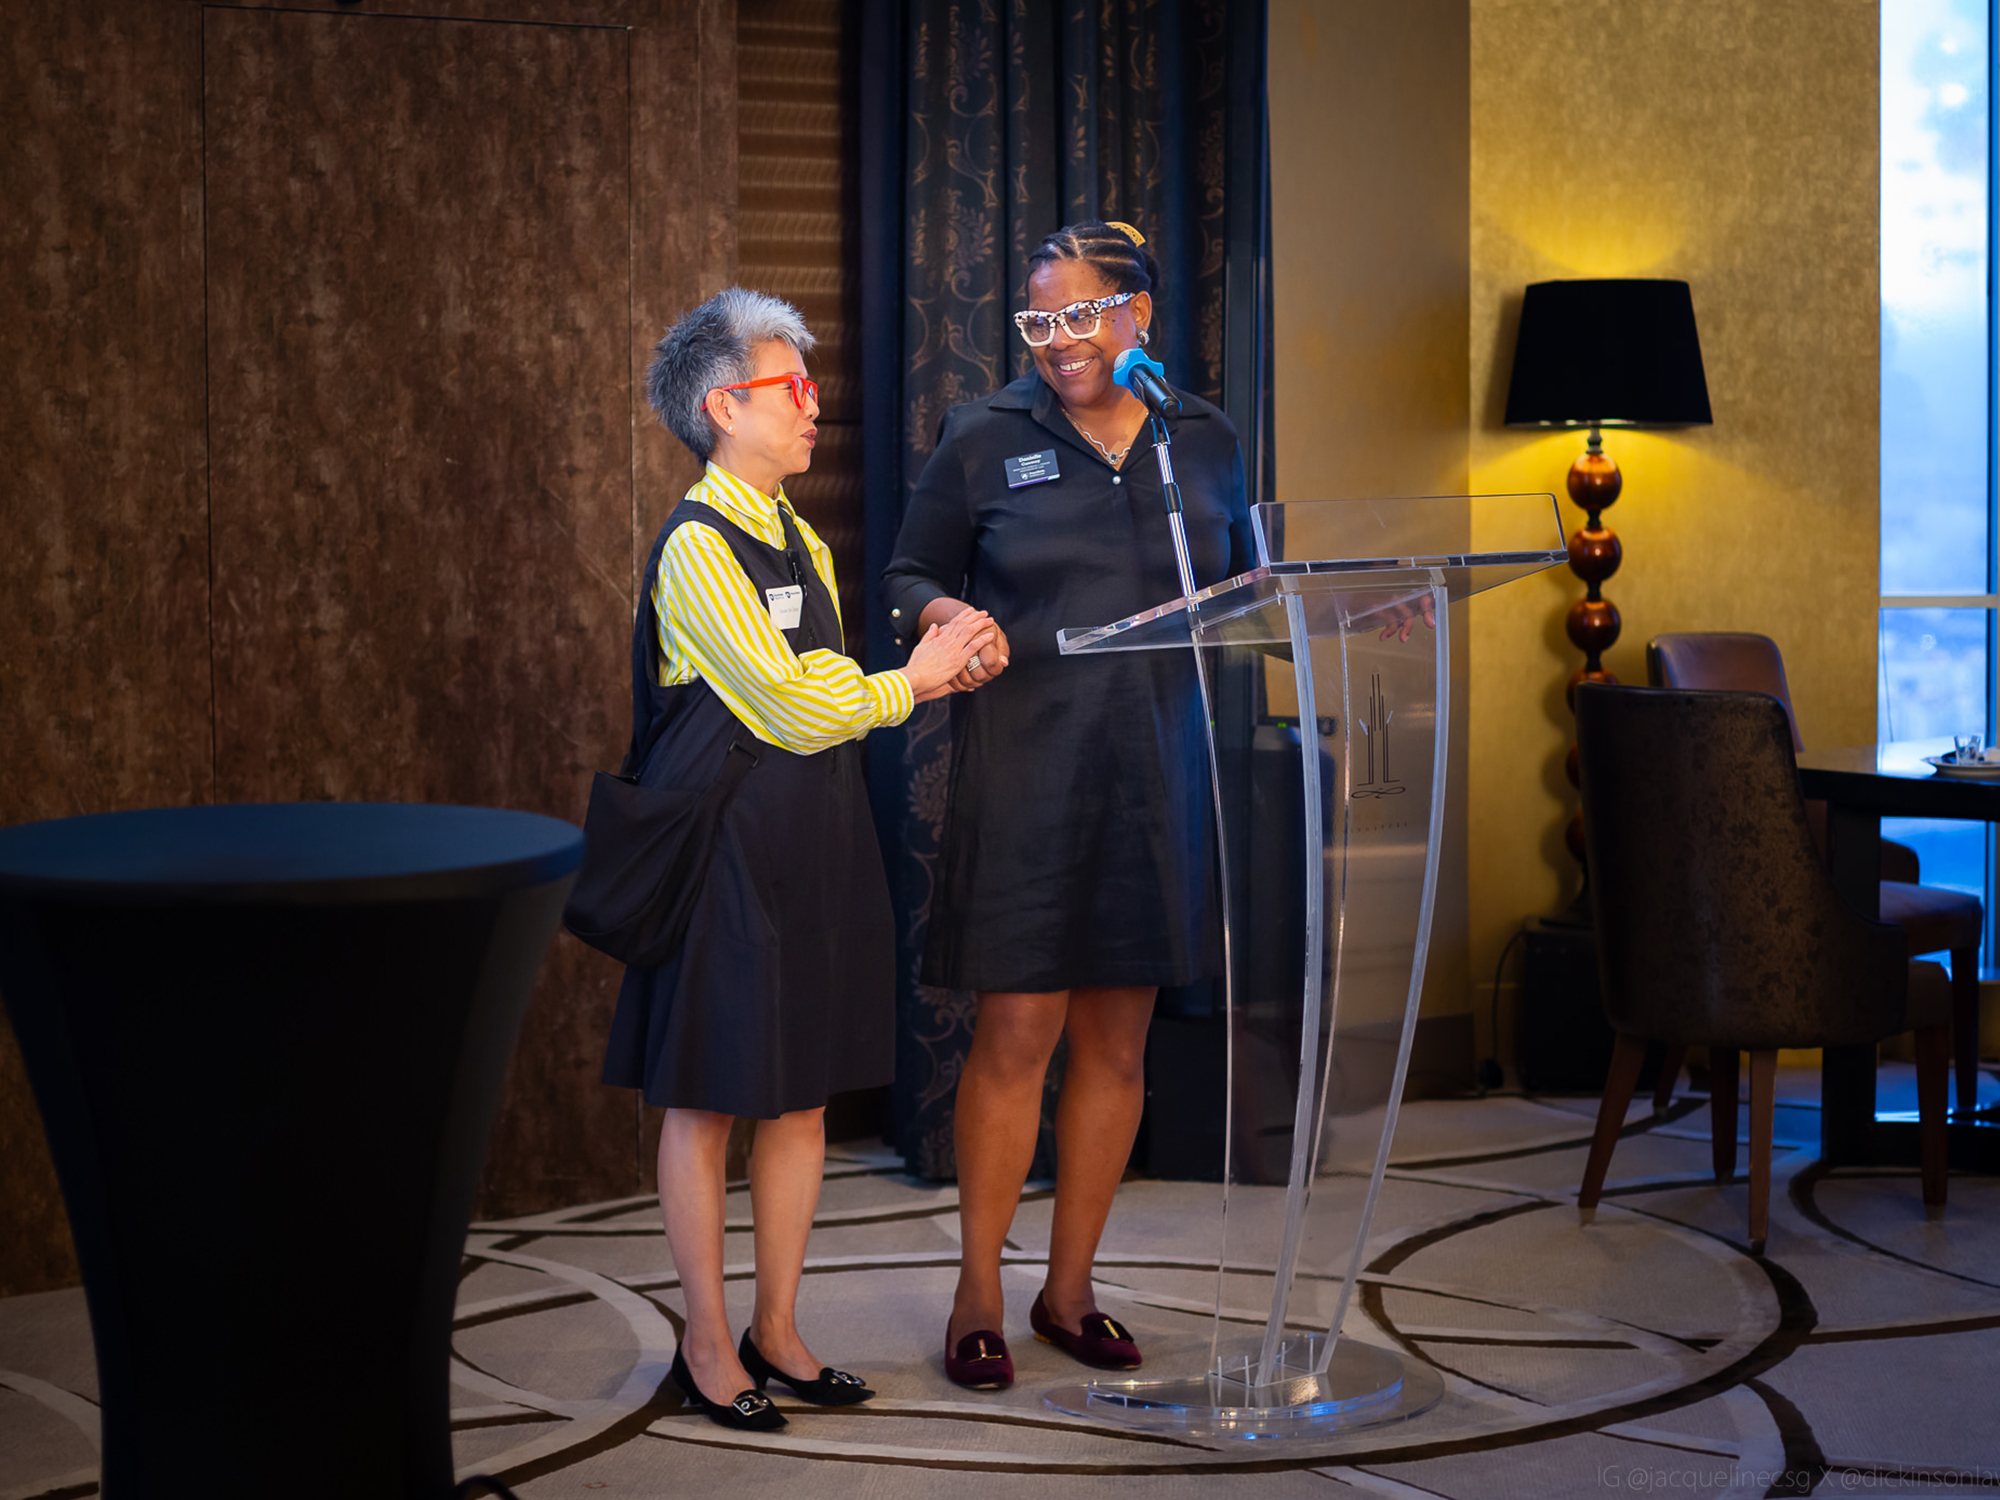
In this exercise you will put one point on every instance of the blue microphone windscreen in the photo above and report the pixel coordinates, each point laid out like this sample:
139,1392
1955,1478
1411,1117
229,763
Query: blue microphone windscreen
1132,360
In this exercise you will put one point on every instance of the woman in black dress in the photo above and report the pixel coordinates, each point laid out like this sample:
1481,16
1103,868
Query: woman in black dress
1077,864
782,992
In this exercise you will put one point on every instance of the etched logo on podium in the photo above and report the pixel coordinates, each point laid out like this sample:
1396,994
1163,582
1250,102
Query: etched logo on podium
1378,781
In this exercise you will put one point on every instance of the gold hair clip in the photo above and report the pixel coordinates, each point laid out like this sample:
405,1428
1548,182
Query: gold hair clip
1138,240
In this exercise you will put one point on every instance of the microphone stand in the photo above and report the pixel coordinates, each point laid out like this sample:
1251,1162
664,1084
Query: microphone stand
1178,527
1174,522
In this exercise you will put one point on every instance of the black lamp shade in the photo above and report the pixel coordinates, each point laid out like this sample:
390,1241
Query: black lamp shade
1608,354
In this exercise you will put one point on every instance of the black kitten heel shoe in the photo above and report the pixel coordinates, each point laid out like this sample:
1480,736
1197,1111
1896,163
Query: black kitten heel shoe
751,1411
833,1388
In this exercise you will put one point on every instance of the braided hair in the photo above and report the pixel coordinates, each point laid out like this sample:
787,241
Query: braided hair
1117,252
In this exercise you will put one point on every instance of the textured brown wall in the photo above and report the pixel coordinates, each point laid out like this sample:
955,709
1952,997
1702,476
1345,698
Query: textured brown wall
104,667
418,278
437,256
417,269
1737,147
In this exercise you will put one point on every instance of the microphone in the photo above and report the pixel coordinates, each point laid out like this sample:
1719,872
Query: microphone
1143,377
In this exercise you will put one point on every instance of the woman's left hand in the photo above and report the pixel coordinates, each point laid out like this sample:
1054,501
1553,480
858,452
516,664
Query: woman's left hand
943,645
1403,617
991,661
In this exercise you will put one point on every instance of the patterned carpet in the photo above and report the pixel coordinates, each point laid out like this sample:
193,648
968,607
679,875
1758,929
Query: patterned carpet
1648,1352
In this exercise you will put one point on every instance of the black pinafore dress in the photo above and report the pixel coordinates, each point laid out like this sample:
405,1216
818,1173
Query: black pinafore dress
784,992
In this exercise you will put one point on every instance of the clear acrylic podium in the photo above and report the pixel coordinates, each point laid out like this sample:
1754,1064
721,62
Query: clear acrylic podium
1349,606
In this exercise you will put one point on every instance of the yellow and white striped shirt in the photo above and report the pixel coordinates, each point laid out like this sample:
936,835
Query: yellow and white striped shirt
714,625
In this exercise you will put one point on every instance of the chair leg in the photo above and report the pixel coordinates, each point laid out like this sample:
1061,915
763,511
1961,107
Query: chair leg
1670,1074
1965,1026
1626,1060
1933,1131
1763,1106
1722,1065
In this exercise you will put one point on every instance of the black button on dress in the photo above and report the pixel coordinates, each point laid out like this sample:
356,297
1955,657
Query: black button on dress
784,992
1078,841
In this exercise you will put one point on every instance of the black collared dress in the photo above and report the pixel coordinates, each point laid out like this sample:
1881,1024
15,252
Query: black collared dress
1078,842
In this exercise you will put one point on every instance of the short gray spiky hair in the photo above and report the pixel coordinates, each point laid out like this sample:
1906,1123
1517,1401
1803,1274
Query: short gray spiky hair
716,345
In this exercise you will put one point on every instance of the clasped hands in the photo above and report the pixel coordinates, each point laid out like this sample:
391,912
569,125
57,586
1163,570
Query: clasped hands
956,654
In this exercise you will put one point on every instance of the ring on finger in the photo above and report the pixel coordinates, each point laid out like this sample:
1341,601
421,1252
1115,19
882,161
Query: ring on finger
973,665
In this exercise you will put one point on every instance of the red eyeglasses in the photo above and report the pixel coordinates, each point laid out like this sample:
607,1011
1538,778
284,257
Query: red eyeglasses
803,390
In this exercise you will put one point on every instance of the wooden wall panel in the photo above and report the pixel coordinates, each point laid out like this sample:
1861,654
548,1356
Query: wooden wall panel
419,293
104,663
799,238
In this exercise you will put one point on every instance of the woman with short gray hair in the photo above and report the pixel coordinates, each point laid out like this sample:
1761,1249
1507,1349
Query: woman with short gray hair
782,993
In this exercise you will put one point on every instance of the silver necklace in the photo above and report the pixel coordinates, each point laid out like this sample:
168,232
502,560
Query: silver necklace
1114,459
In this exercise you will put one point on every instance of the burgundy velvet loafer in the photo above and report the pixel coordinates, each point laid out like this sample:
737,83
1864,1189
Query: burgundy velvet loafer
1103,1344
980,1362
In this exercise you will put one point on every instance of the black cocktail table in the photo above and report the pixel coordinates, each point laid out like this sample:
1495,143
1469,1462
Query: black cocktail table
268,1043
1862,786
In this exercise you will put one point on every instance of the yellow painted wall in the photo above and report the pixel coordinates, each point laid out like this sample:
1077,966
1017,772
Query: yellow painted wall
1733,144
1369,197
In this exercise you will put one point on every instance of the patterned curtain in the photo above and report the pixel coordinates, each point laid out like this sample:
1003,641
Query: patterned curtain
1006,120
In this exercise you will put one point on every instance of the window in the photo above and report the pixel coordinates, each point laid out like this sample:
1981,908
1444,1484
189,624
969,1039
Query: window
1940,586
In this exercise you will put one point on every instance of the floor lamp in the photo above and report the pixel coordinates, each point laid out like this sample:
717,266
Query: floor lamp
1600,354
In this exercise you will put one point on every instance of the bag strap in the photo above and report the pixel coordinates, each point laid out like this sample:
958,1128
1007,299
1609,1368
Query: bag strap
647,721
744,747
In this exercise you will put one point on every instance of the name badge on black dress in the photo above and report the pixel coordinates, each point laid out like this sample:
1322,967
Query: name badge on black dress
1032,468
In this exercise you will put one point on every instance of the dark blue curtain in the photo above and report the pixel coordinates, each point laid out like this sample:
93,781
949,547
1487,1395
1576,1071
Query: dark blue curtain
985,125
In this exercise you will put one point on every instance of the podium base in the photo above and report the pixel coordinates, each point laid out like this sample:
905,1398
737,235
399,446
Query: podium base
1362,1386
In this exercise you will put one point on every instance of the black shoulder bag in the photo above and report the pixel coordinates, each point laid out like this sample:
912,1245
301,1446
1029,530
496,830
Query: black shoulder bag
645,854
646,849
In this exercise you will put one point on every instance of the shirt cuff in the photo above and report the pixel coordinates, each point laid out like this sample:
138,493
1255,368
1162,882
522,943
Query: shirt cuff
907,605
894,697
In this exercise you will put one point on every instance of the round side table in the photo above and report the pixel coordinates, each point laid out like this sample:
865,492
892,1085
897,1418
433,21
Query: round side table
268,1043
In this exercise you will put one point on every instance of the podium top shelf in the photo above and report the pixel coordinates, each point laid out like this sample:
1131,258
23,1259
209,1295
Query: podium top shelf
1348,561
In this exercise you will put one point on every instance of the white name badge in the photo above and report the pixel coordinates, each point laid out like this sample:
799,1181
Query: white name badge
787,604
